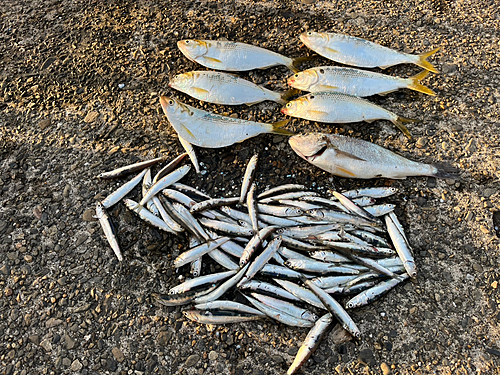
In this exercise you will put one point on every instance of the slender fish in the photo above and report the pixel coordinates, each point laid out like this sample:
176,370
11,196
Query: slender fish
122,191
108,229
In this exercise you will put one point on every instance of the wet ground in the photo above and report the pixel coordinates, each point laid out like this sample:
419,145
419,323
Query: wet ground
79,94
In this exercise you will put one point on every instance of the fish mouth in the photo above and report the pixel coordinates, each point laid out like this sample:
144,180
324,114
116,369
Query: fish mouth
290,81
283,110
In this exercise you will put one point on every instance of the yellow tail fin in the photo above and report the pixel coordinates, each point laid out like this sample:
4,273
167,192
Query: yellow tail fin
297,61
277,128
422,62
414,83
399,122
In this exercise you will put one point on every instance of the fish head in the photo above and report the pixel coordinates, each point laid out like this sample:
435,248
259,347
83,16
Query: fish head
182,80
303,80
292,108
309,146
315,39
193,48
174,109
99,211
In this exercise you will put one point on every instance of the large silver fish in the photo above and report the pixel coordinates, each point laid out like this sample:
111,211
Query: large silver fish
356,158
205,129
335,107
355,82
232,56
223,88
355,51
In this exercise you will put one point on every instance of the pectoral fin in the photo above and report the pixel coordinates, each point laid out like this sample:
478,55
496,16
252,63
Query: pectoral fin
326,88
212,60
345,171
347,155
200,91
317,113
331,50
188,131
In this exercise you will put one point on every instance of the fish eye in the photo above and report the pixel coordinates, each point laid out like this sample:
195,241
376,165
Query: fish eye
170,102
309,33
322,71
187,41
288,105
296,75
312,96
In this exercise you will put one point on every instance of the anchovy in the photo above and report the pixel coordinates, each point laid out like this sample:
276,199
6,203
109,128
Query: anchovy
351,206
372,294
315,266
287,253
279,315
222,259
205,317
304,206
254,243
279,271
211,203
196,267
280,189
121,192
146,185
128,169
374,192
310,343
292,195
325,282
300,232
198,251
252,207
228,306
147,216
190,190
286,307
301,293
212,296
201,280
371,238
261,286
180,298
260,261
248,177
335,308
169,167
164,182
191,221
108,229
222,226
402,249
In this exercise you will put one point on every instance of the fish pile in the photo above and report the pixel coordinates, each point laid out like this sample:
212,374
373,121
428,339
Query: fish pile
336,93
290,253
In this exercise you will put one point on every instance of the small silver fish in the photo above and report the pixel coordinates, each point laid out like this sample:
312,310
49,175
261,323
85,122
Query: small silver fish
356,158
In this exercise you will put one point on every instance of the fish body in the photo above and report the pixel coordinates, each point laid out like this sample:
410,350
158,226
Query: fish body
354,51
205,129
231,56
356,158
108,229
335,107
222,88
354,81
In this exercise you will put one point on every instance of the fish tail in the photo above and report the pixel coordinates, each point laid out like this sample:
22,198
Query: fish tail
422,61
294,66
417,86
287,95
277,128
400,121
444,170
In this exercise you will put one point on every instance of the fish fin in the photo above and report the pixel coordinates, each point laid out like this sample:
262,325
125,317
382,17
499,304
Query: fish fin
252,103
346,171
200,91
277,128
327,88
322,113
444,170
331,50
348,155
187,130
422,61
417,86
297,61
191,153
287,95
386,92
212,59
399,122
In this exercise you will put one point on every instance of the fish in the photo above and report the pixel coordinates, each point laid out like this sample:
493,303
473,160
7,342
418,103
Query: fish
232,56
354,51
108,229
335,107
209,130
224,88
355,82
355,158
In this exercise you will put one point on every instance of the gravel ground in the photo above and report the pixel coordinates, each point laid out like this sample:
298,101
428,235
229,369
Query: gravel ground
79,94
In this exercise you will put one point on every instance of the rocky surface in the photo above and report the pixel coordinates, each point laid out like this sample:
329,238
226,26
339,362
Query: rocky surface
79,94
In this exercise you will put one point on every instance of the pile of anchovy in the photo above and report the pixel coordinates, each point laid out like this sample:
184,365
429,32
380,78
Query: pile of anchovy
290,252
